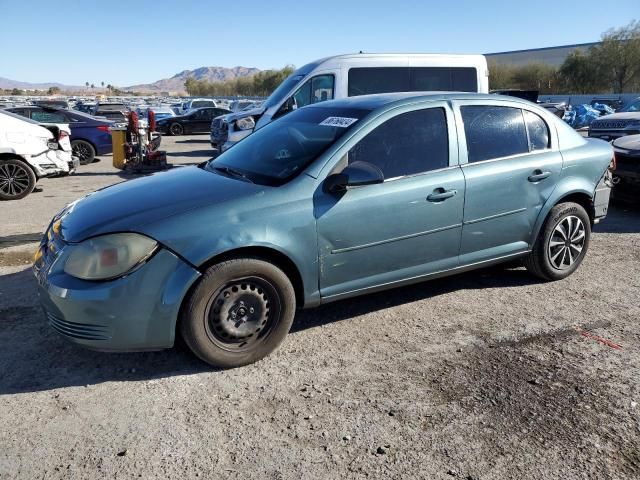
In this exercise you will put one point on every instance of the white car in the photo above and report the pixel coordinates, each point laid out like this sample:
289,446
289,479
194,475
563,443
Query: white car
28,152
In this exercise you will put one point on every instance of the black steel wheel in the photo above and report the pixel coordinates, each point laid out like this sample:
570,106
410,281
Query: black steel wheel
176,129
239,312
242,312
17,180
84,151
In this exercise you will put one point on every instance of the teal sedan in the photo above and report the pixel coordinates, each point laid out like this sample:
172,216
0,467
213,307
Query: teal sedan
333,200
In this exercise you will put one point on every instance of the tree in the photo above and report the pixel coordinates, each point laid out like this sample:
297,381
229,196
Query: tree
53,91
92,86
618,57
581,74
87,84
102,84
17,91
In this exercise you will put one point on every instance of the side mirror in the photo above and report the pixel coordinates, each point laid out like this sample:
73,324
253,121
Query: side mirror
356,174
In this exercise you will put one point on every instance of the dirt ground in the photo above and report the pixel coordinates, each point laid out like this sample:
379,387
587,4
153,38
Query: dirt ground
486,375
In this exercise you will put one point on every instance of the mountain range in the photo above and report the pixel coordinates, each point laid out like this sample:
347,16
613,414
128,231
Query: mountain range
173,84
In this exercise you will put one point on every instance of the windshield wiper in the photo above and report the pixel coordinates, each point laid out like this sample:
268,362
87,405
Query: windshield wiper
232,173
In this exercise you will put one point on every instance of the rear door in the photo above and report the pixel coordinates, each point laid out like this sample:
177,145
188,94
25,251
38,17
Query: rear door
511,164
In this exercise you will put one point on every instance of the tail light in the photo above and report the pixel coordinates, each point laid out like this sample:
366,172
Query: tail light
103,128
613,164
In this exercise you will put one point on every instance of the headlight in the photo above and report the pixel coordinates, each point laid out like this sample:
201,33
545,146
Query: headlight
245,123
108,256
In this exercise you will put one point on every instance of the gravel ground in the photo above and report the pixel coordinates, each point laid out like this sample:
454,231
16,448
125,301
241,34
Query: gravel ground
485,375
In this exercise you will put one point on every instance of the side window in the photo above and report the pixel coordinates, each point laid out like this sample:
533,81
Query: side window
458,79
314,90
493,132
410,143
364,81
48,117
538,131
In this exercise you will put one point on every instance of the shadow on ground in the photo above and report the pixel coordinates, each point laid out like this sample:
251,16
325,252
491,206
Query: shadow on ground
195,140
34,358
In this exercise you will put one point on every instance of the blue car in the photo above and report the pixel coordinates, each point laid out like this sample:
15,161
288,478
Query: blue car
90,136
331,201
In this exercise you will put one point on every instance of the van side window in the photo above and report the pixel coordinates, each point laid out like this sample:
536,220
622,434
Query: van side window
315,90
407,144
537,130
493,132
365,81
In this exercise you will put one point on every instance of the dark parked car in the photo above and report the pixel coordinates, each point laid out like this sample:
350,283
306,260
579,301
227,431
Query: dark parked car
89,136
627,173
331,201
196,121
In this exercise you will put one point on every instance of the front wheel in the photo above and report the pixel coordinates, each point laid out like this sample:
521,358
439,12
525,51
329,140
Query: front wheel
562,243
176,129
241,311
17,180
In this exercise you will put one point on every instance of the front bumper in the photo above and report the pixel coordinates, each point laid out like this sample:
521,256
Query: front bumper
133,313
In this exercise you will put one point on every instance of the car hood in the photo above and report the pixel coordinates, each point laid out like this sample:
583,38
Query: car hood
630,144
128,206
620,116
232,117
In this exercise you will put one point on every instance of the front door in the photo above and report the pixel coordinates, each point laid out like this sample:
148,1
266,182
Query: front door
511,167
406,227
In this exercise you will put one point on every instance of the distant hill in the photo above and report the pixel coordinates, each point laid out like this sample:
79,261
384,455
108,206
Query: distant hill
173,84
8,83
210,74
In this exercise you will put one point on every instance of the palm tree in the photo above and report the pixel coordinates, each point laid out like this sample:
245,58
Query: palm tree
102,83
86,84
92,86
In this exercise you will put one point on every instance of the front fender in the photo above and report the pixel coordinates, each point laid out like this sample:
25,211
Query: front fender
565,187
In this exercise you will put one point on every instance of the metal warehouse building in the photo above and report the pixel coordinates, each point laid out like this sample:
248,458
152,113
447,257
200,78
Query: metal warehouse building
553,56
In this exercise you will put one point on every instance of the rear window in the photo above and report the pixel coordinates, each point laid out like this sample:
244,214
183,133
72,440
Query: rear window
369,80
201,103
48,117
493,132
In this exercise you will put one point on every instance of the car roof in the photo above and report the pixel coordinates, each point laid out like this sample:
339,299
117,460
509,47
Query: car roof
378,100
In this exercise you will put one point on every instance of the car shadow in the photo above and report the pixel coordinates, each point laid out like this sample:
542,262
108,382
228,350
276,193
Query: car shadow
621,218
194,140
19,239
34,358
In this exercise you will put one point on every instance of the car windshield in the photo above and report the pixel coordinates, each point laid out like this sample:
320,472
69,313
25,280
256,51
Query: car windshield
634,107
281,150
283,89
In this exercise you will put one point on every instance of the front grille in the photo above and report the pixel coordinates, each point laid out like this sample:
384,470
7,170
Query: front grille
219,130
610,124
83,331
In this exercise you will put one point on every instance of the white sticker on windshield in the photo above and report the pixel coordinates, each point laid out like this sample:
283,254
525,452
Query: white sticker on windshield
341,122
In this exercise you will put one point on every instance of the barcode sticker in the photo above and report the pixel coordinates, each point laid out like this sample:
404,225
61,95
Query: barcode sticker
341,122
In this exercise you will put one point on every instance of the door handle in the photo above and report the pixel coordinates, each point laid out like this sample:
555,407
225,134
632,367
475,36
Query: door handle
538,175
440,194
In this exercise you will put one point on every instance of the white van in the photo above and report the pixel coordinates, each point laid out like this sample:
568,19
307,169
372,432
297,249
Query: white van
356,74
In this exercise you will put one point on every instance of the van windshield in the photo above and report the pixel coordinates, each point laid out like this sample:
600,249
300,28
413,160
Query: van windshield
279,93
281,150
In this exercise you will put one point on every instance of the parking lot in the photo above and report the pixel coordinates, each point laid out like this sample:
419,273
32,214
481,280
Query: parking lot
486,375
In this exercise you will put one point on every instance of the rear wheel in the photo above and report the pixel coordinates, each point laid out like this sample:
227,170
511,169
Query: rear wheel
84,151
176,129
562,243
17,180
241,311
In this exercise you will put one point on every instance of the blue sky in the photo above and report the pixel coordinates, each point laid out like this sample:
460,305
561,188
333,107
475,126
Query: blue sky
140,41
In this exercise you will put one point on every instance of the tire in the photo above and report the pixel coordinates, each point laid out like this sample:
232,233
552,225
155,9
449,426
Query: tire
84,151
17,180
561,244
176,129
240,311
